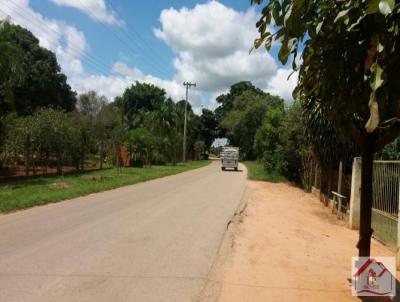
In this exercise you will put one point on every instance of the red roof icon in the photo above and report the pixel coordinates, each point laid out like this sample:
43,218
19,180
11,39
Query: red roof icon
367,264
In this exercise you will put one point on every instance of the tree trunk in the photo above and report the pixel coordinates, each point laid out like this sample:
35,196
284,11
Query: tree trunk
101,155
27,155
329,185
117,153
59,165
367,161
82,161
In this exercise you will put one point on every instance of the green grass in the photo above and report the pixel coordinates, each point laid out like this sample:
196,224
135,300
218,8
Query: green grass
26,193
256,171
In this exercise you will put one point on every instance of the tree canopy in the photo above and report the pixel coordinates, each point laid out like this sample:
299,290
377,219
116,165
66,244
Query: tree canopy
246,115
350,58
30,75
350,66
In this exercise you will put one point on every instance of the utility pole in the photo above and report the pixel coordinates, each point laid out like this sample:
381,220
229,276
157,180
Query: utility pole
187,84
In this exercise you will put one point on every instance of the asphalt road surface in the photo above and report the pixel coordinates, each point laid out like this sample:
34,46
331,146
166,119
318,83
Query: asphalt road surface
154,241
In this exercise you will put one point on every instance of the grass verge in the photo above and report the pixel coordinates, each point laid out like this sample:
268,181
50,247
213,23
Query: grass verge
256,171
26,193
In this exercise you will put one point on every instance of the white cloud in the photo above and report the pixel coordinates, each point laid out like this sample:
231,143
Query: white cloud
212,43
95,9
64,40
123,69
124,76
281,85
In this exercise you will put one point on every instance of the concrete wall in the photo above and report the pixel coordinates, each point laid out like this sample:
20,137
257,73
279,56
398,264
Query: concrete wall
354,217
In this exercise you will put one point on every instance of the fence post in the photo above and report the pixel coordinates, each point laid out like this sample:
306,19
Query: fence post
398,234
339,186
354,220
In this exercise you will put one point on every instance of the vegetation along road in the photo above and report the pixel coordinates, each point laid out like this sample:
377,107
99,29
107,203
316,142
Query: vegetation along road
24,193
153,241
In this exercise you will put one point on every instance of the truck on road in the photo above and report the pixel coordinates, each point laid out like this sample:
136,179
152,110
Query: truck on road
229,158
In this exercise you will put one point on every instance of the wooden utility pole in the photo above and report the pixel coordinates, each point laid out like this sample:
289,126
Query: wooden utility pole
187,84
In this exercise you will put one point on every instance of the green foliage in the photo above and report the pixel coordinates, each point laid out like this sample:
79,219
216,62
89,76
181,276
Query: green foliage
391,151
90,104
267,142
350,59
256,171
42,123
49,135
137,100
226,101
294,146
37,191
246,116
208,127
30,76
143,143
199,149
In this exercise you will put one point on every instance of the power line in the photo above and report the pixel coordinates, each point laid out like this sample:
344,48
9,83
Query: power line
137,34
92,61
129,46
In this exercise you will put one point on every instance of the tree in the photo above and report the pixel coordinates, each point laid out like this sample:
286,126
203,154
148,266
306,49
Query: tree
143,143
295,146
10,64
267,143
350,68
52,135
225,101
241,123
30,75
391,151
18,140
137,100
199,148
90,104
208,127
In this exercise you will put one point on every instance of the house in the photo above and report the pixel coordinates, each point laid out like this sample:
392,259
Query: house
372,278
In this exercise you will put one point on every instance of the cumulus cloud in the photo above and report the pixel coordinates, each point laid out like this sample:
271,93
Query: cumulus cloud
124,76
212,44
281,85
95,9
123,69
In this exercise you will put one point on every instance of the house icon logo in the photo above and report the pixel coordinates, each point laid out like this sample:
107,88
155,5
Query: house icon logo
373,276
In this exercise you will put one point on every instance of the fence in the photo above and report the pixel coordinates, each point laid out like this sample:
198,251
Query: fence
385,202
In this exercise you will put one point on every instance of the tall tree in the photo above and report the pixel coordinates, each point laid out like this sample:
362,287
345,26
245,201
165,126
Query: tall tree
90,103
241,123
138,99
33,77
350,66
208,127
225,101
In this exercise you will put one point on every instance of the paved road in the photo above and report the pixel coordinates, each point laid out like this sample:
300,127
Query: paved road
153,241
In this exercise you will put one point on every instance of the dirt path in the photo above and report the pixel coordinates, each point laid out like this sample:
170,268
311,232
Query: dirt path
286,246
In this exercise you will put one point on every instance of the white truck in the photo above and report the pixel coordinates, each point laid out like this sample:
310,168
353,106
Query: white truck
229,158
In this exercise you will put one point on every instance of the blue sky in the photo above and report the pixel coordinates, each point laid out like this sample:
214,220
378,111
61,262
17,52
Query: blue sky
106,45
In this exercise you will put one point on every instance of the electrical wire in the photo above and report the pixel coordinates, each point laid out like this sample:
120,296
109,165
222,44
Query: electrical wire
91,61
